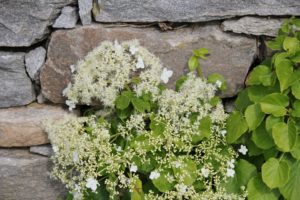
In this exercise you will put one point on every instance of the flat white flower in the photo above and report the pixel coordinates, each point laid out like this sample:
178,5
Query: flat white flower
223,132
132,50
73,69
75,157
140,63
204,172
243,149
166,75
154,175
92,184
71,104
230,172
133,168
231,163
218,83
119,149
181,188
65,91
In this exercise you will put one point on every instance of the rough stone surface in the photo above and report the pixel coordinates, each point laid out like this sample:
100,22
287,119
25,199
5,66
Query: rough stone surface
26,176
189,11
85,11
45,150
67,19
23,23
34,60
230,55
253,26
22,126
15,86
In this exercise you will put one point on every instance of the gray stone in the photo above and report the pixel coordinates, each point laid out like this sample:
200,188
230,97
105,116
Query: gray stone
34,60
229,105
189,11
230,55
67,19
45,150
22,126
41,99
85,11
253,26
26,176
15,86
23,23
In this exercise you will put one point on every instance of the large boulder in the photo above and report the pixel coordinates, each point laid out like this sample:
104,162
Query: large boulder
230,55
23,23
189,10
22,126
16,87
26,176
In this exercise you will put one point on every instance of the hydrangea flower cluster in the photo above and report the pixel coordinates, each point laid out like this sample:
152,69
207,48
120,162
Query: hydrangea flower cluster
152,143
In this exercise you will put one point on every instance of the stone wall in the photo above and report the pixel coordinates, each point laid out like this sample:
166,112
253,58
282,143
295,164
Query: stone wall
40,39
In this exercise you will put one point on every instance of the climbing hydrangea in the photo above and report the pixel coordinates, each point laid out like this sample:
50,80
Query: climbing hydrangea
150,142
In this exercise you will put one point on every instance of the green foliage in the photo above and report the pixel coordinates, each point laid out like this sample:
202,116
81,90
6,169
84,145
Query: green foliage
271,108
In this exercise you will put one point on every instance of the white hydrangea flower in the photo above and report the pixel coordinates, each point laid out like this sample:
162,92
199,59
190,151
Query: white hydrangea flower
55,149
132,49
181,188
71,104
205,172
223,133
133,168
119,149
92,184
243,149
230,172
154,175
218,83
140,63
75,157
166,75
73,69
231,163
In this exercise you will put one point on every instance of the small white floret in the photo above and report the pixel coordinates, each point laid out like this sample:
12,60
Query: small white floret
140,63
218,83
243,149
177,164
132,50
71,104
133,168
205,172
166,75
230,172
154,175
73,69
223,133
92,184
75,157
181,188
55,149
231,163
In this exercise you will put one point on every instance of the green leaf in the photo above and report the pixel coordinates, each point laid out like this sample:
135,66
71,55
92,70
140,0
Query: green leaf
100,194
296,109
257,92
193,63
137,192
157,127
284,135
257,190
244,172
146,166
296,149
242,101
262,138
214,77
296,89
291,189
261,75
162,183
254,116
291,44
271,121
276,44
180,82
284,71
296,57
187,172
236,126
278,57
122,102
201,53
205,127
274,104
275,173
140,105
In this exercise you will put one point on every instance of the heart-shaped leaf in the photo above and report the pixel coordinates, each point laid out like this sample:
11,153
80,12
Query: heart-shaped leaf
274,104
254,116
284,135
236,126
